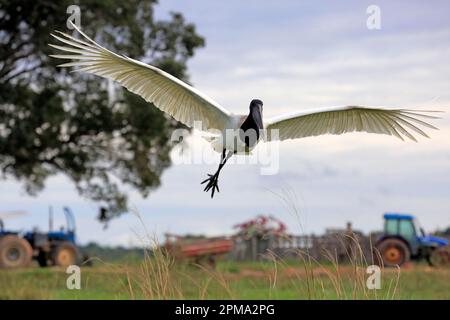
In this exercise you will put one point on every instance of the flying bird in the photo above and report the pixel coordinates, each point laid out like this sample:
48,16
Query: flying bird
191,107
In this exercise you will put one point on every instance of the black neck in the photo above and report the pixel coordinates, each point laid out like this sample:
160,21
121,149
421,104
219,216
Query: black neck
252,122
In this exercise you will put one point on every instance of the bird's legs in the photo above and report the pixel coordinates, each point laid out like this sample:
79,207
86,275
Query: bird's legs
214,178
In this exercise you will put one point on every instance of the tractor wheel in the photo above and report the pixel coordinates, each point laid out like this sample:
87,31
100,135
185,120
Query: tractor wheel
440,257
15,252
393,252
65,254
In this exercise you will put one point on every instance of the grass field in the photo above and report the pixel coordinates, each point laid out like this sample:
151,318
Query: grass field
230,280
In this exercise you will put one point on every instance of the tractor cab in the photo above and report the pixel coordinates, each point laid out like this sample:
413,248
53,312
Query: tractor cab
66,233
407,227
403,239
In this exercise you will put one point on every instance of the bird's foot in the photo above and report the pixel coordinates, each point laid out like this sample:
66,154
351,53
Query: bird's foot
212,184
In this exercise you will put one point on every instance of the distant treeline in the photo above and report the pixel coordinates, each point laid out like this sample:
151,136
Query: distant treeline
107,253
443,233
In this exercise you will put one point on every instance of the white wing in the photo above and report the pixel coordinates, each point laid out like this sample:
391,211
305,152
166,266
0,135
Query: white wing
183,102
339,120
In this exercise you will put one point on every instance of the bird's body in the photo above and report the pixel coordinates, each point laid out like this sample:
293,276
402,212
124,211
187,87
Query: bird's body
231,138
232,134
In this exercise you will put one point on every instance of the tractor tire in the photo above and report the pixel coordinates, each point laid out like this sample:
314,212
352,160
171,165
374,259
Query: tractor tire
440,257
393,252
15,252
65,254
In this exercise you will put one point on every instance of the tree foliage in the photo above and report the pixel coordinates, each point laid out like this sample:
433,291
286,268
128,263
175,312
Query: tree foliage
101,136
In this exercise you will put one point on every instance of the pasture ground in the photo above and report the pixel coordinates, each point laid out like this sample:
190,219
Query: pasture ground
230,280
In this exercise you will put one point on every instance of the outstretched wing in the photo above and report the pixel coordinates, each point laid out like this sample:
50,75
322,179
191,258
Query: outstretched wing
338,120
173,96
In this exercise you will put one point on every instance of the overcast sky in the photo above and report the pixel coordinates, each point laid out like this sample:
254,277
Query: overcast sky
297,55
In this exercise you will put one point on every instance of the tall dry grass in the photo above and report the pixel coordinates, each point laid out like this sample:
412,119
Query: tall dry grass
314,285
161,276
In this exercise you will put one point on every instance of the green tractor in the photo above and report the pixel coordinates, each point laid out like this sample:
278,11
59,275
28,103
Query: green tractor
404,240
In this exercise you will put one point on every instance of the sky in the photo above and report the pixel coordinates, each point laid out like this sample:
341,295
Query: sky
295,55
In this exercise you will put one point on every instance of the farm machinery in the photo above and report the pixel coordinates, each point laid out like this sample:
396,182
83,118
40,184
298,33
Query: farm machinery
58,248
202,251
403,239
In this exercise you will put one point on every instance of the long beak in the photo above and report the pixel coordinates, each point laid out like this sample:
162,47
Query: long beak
257,117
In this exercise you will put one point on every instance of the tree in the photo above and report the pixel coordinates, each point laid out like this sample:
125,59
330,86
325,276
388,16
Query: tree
52,122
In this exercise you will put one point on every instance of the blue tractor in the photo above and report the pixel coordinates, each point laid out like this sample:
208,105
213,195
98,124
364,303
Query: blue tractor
403,239
57,248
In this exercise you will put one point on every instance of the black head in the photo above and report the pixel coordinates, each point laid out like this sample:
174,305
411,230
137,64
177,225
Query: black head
256,102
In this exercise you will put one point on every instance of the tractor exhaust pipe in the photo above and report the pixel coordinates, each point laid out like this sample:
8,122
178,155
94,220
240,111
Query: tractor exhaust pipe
50,219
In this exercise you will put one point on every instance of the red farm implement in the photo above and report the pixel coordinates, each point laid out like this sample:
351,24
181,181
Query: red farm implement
197,249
